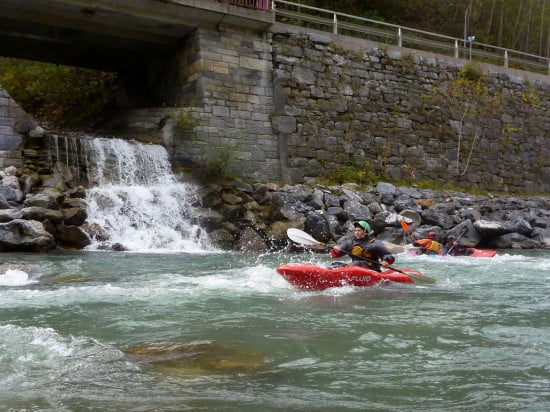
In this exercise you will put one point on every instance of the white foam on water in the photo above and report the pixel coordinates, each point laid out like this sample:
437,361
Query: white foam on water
259,279
15,277
46,355
138,201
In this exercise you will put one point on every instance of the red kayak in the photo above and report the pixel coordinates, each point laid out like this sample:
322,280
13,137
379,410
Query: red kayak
318,278
469,251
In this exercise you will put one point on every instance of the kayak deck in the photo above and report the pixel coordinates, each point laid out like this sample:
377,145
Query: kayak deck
468,252
312,277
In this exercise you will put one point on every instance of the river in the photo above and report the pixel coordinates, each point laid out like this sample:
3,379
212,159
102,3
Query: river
172,324
92,330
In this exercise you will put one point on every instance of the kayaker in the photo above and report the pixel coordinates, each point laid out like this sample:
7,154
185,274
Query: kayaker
429,245
454,248
364,246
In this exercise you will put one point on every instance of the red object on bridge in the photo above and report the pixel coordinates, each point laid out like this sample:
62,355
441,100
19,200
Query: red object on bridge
262,5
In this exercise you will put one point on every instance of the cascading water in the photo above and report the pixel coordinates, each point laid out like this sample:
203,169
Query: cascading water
135,197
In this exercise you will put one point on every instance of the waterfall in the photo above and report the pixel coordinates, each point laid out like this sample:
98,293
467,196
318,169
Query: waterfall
135,197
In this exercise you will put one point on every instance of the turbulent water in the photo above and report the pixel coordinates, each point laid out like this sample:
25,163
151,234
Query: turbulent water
478,339
138,201
173,325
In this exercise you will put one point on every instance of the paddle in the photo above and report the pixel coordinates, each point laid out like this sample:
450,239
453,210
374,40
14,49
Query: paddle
462,233
299,236
406,228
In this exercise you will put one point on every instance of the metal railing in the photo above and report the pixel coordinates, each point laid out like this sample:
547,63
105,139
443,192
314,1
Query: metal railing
262,5
341,23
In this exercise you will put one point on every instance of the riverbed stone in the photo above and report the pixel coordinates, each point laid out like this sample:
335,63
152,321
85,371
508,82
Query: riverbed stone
22,234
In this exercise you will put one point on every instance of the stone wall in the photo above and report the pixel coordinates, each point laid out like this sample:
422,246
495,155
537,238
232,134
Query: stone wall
225,93
295,106
11,142
372,109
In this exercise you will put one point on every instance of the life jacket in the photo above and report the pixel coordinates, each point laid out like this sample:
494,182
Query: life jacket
428,244
357,250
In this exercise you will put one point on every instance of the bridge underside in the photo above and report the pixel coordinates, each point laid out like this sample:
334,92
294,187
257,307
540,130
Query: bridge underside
109,34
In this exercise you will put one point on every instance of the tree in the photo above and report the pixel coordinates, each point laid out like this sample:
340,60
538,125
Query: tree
469,105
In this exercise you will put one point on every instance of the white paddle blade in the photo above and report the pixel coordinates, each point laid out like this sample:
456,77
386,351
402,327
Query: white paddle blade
301,237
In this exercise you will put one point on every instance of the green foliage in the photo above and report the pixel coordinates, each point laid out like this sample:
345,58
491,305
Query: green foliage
60,95
352,174
519,25
470,105
471,72
184,120
218,161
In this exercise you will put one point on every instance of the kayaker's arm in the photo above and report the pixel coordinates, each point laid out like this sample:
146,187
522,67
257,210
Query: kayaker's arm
335,252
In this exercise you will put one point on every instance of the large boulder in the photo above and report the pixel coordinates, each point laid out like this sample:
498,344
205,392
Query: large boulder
41,214
71,236
466,233
318,226
492,228
514,241
24,235
250,241
48,198
437,218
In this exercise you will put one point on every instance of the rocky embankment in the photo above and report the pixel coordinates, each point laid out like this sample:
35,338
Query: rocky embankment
40,212
246,216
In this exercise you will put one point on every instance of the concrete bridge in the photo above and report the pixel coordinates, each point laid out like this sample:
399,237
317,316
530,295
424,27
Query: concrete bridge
111,34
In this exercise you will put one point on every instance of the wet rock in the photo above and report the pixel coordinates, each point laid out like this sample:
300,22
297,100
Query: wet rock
328,212
513,241
7,215
250,241
4,203
436,217
96,232
71,236
9,194
48,198
55,182
222,239
317,225
41,214
118,247
22,234
74,216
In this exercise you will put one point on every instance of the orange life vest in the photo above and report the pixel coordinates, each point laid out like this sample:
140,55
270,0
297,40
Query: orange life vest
428,244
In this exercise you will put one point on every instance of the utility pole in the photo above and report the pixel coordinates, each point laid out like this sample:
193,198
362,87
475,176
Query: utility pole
467,13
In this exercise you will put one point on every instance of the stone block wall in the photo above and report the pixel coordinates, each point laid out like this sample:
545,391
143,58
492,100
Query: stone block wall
227,75
11,142
369,109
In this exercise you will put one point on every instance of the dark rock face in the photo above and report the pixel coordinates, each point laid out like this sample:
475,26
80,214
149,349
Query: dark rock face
328,213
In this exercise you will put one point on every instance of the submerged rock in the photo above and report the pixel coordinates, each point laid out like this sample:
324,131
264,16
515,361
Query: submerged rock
193,359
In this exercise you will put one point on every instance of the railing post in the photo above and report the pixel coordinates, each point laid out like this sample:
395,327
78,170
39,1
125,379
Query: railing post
399,37
335,27
506,58
456,49
548,67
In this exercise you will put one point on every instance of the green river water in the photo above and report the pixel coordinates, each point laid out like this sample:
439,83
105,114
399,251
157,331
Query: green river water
98,331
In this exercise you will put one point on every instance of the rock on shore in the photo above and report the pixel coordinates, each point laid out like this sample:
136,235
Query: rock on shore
255,217
42,212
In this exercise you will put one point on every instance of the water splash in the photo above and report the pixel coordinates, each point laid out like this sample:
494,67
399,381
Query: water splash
15,277
138,201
